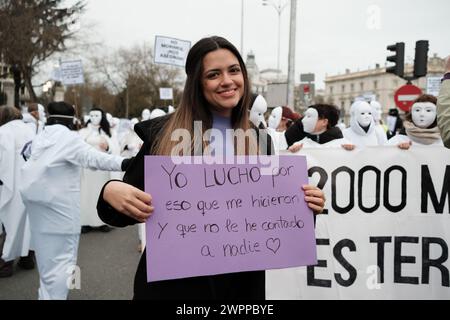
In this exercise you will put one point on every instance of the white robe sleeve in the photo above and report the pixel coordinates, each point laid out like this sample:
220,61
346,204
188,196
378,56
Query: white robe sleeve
84,155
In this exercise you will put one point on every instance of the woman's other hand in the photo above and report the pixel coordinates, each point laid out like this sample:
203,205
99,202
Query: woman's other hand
296,147
315,198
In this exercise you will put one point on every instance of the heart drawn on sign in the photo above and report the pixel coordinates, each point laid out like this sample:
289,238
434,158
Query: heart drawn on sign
273,244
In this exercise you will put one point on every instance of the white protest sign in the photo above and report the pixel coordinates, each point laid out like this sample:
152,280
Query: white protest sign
171,51
387,228
71,72
166,93
433,85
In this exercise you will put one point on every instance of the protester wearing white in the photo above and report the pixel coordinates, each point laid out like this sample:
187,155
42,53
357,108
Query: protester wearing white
278,138
377,113
259,108
51,193
13,137
156,113
97,135
131,143
361,132
35,117
145,115
420,126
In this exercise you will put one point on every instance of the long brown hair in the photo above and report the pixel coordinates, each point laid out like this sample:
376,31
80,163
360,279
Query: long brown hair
194,106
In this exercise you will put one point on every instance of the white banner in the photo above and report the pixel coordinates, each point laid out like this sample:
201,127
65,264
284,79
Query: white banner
171,51
387,229
71,72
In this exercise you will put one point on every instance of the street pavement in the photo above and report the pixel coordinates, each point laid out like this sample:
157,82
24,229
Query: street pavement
107,261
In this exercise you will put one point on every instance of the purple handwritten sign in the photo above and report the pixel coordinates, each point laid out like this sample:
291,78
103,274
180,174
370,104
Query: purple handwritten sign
217,219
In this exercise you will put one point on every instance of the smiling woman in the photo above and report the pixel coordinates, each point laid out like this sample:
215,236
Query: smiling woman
216,95
223,82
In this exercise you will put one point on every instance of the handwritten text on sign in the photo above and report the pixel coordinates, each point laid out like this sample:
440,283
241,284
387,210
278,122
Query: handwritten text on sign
218,219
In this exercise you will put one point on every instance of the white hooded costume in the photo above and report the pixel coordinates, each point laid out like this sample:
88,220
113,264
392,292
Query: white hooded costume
51,193
259,108
278,138
92,181
13,137
377,113
361,117
131,143
36,125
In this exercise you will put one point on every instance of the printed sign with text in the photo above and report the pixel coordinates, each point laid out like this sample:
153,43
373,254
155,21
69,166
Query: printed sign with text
171,51
214,219
71,72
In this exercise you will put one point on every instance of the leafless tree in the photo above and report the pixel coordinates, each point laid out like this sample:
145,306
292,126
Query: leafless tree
31,31
132,75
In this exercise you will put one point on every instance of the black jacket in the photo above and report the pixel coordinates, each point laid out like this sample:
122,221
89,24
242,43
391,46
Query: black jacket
296,133
244,285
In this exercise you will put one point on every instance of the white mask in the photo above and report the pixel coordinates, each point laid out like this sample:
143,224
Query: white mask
310,120
156,114
257,111
41,111
423,114
377,111
364,114
275,118
134,121
95,117
171,109
146,115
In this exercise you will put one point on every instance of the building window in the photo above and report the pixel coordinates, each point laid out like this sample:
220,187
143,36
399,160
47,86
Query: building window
361,86
343,88
331,90
352,87
375,84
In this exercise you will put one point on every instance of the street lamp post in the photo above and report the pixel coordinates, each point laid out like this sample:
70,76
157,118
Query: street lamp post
292,43
279,8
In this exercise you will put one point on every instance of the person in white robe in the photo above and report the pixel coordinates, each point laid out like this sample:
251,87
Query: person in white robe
145,115
156,113
361,132
51,193
278,138
14,135
377,113
420,125
35,117
131,143
98,135
259,108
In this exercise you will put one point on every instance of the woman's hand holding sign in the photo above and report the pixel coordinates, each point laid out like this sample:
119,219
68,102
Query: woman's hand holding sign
315,198
129,200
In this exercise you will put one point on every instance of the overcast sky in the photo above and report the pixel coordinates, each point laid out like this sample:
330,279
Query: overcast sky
331,35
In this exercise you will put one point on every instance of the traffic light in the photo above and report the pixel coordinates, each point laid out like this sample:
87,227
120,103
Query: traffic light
421,61
398,59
